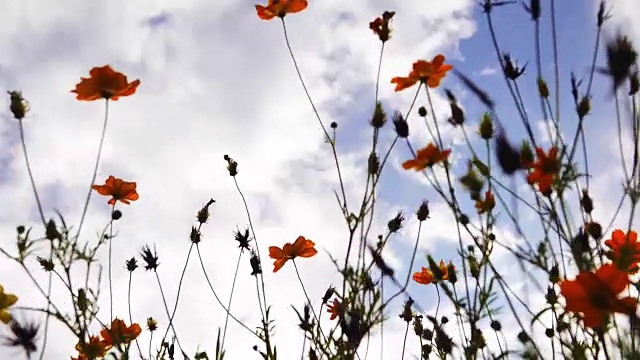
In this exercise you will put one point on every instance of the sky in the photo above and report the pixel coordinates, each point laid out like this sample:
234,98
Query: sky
217,80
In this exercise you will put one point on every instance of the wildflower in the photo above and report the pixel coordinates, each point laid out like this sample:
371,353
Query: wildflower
625,250
443,271
400,125
120,333
23,335
424,277
6,301
430,73
95,348
118,189
380,26
486,204
280,8
104,83
545,169
151,258
301,247
595,294
152,324
426,157
336,308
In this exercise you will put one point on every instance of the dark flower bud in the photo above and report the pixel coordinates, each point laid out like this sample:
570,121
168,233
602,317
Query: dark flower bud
396,223
554,274
254,260
621,57
20,229
444,320
150,258
47,265
584,107
379,116
533,9
451,272
373,164
551,297
243,239
334,125
328,294
594,229
407,313
543,89
486,127
495,325
232,165
586,202
474,267
195,236
132,264
423,211
203,214
549,333
464,219
400,125
422,111
511,69
51,231
116,214
18,106
523,337
457,115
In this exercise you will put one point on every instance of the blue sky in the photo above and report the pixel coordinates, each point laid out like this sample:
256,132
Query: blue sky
216,80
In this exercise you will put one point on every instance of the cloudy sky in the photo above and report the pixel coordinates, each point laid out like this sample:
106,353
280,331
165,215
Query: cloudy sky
217,80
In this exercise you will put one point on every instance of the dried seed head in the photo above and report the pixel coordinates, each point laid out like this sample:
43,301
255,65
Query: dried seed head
400,125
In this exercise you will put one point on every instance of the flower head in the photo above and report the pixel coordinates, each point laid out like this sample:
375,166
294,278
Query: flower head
104,83
119,333
545,169
118,189
430,73
300,248
280,8
6,301
625,250
94,348
426,157
486,204
336,308
424,277
595,294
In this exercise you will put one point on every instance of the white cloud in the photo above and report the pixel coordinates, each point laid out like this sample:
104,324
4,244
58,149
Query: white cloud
488,71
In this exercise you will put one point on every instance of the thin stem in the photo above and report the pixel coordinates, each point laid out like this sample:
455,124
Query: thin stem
129,306
233,287
307,296
166,308
113,207
175,307
95,167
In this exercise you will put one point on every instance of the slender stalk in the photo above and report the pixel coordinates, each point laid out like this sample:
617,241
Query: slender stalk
233,287
129,306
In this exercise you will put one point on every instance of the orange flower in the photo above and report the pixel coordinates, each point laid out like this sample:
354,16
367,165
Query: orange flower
95,348
424,277
120,333
595,295
426,157
486,204
430,73
444,270
545,169
301,247
119,189
336,308
280,8
104,83
625,250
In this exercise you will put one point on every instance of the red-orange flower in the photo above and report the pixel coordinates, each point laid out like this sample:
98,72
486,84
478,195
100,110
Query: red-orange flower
595,295
426,157
95,348
118,189
104,83
625,250
486,204
430,73
280,8
424,277
300,248
120,333
336,308
545,169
